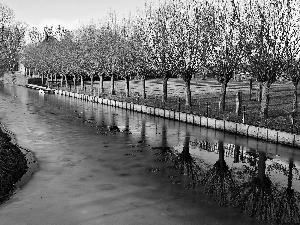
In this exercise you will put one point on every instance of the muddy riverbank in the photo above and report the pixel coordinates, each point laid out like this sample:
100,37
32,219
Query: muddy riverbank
13,164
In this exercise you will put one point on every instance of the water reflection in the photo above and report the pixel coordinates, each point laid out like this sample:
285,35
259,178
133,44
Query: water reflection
219,180
143,138
247,184
231,169
257,196
185,163
289,200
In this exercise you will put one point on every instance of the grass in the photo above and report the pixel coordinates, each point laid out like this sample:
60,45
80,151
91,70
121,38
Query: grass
205,97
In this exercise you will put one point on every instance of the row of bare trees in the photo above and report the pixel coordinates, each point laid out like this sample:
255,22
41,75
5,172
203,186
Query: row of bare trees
12,35
182,39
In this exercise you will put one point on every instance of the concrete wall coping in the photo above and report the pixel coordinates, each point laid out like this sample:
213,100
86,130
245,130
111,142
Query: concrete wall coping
260,133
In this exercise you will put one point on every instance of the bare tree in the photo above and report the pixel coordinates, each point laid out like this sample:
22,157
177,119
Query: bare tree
292,47
127,53
12,35
227,46
111,60
142,49
159,40
265,44
191,28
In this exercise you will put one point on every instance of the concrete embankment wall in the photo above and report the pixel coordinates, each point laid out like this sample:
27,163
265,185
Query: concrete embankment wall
278,137
17,78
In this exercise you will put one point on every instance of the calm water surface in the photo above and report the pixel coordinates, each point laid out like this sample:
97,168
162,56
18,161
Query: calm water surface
69,123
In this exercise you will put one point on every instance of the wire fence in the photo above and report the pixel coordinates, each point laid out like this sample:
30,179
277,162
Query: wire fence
280,115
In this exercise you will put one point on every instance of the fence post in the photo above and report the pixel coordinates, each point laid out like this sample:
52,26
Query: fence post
250,89
238,103
199,107
293,120
244,115
206,109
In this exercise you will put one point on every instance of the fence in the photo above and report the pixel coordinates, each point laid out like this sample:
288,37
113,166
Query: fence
280,107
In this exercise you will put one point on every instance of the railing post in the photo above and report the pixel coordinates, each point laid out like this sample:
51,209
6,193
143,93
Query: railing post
206,109
293,120
244,115
238,103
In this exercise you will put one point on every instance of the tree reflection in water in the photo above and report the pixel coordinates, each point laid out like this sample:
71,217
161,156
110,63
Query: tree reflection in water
163,149
219,180
257,196
288,209
248,187
186,164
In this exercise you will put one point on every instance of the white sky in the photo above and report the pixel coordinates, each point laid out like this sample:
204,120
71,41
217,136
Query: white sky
69,13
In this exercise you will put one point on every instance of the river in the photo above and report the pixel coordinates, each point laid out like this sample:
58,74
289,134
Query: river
91,173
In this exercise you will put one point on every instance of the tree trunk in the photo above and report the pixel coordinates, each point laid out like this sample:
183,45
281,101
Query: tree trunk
101,89
51,85
112,85
61,81
222,96
165,89
238,103
259,94
261,166
42,78
74,81
81,83
127,85
265,100
47,80
144,87
92,83
188,97
66,79
250,88
295,99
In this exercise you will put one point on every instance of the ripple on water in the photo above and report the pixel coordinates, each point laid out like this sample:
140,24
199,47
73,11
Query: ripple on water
106,187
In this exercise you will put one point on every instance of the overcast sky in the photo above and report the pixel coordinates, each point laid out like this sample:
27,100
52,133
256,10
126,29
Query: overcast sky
68,13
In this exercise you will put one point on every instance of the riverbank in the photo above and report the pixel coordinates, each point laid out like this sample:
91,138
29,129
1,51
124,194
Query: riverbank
13,164
158,110
205,100
87,177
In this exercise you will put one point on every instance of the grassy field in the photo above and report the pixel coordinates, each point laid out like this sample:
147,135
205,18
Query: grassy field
205,97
